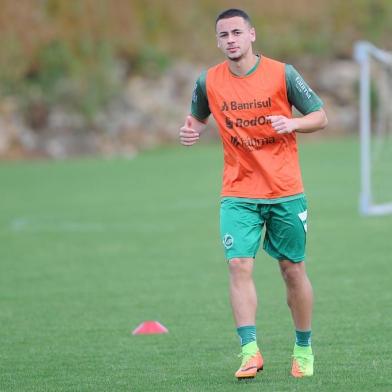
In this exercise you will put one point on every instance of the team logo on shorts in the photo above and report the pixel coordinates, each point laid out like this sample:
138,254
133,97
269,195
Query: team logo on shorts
228,241
304,216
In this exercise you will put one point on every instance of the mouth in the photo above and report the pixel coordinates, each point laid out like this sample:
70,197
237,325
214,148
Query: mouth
232,49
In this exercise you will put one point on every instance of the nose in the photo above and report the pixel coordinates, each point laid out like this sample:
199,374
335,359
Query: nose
230,38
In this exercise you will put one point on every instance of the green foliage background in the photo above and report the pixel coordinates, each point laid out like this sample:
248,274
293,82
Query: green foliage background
69,51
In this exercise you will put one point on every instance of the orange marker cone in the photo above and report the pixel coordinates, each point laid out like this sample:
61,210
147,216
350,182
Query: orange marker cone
150,328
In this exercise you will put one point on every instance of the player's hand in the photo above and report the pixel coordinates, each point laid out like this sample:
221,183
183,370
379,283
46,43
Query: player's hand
188,136
282,124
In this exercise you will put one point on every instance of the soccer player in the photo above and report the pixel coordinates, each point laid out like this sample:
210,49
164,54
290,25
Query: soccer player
251,98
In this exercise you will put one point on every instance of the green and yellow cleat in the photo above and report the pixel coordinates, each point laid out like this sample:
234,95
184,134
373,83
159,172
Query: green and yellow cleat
250,365
302,362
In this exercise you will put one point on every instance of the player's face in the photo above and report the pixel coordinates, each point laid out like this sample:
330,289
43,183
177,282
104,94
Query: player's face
235,37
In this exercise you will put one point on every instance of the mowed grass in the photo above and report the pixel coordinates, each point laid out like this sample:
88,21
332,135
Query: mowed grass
91,248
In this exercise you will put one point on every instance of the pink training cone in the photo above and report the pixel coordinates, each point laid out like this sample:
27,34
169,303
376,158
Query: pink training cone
150,328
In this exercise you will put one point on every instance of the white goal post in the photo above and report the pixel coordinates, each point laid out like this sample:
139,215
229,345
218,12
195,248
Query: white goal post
364,54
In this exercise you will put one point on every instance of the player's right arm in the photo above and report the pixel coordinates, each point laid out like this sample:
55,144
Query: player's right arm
190,132
195,123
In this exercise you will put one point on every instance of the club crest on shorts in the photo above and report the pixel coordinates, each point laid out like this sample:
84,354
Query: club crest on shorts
228,241
304,216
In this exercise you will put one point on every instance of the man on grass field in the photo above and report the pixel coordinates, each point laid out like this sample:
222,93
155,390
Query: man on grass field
251,98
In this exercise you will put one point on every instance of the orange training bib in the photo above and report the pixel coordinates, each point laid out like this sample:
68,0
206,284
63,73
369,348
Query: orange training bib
258,162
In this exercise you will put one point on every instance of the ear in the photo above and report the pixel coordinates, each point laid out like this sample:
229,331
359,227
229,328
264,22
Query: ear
252,34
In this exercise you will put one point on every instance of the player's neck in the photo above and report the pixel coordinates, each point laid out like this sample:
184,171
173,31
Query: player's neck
244,65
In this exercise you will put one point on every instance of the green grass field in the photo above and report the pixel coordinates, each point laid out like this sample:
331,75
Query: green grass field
91,248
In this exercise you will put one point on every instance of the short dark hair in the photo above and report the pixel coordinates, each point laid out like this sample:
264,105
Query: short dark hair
231,13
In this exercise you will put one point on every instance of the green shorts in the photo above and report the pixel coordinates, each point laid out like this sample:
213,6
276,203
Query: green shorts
241,224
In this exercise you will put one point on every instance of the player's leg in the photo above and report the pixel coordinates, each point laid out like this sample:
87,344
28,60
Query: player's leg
299,293
300,301
240,232
243,296
285,240
243,299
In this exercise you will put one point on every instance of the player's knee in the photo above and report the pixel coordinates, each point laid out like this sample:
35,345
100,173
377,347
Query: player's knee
293,272
240,267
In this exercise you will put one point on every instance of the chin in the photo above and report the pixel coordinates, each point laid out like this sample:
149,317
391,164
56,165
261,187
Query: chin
235,57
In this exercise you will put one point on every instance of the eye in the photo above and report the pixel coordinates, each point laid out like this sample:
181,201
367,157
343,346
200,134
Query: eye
237,32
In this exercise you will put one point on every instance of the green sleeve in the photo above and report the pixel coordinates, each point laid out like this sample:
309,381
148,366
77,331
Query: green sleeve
199,107
300,94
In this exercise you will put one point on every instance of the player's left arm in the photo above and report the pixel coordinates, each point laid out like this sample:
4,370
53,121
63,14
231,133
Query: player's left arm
306,102
311,122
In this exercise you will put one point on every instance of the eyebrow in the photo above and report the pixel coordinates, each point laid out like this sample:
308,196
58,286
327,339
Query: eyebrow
233,31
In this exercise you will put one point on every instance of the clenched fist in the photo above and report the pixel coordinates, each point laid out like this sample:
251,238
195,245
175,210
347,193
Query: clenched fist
282,124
